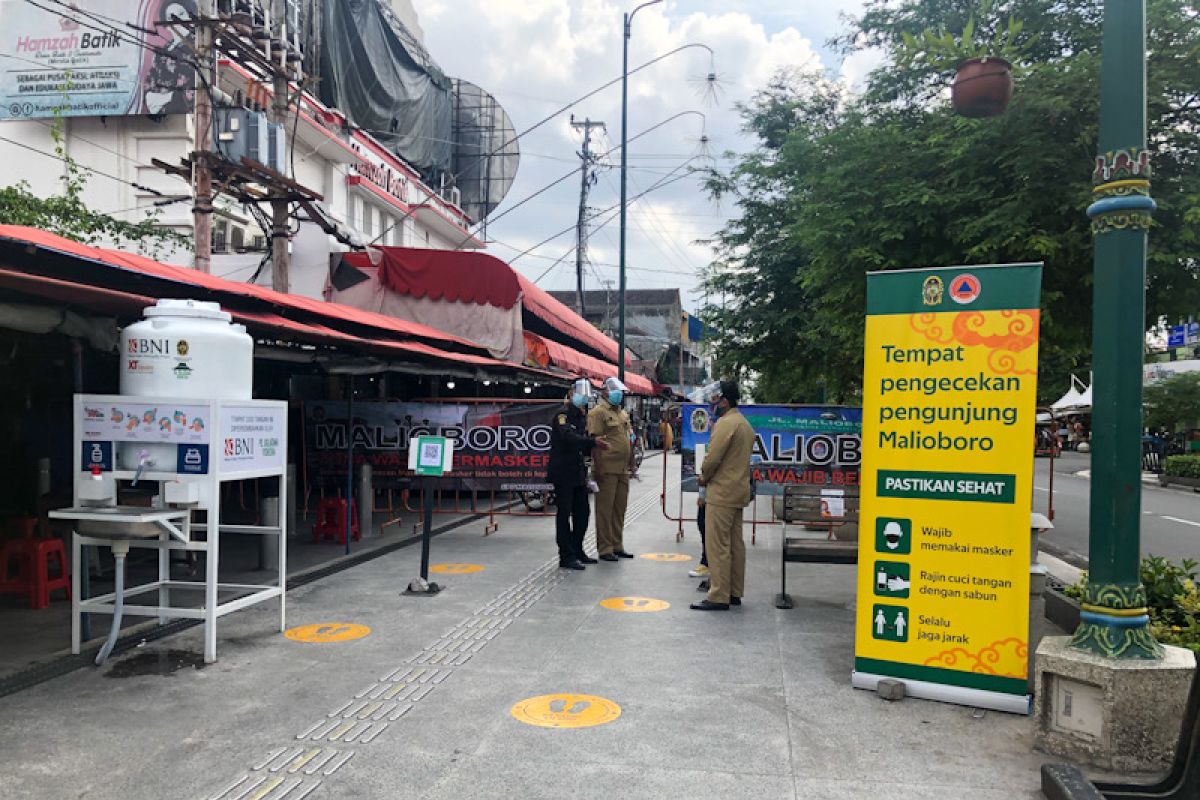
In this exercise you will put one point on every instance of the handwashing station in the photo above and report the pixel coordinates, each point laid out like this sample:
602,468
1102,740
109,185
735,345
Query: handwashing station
183,425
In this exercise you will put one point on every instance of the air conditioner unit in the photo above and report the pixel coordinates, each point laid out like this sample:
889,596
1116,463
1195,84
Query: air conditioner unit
454,195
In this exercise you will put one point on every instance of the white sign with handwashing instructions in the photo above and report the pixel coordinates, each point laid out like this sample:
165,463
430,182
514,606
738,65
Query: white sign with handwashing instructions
163,421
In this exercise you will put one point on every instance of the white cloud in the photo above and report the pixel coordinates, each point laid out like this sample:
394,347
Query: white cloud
536,55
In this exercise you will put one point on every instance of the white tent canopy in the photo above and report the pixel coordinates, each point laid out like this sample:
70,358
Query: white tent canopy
1077,398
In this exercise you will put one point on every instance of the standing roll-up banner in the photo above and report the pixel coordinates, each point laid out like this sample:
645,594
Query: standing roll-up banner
949,399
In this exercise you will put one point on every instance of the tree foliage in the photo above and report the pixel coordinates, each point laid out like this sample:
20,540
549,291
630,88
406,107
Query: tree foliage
67,215
892,179
1173,403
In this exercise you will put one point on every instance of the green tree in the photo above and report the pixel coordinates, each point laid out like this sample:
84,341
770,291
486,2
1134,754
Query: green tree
1173,403
892,179
67,215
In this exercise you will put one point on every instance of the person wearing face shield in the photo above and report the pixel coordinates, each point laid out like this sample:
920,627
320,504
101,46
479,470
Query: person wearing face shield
611,468
725,476
570,444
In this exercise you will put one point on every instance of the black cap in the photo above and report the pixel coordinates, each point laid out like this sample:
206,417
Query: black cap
730,391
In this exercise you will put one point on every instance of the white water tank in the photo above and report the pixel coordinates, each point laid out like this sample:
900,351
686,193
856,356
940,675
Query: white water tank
187,349
182,350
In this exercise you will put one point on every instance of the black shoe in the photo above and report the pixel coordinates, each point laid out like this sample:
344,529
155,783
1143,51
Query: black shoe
709,605
586,560
703,587
623,554
608,557
570,565
735,601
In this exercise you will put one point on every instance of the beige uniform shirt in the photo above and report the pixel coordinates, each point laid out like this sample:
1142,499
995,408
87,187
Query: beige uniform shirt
726,468
612,424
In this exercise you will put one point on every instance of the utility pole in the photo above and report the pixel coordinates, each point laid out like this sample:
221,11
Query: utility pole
202,204
279,114
585,186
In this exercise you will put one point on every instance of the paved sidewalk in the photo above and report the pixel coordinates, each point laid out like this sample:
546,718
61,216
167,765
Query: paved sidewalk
753,703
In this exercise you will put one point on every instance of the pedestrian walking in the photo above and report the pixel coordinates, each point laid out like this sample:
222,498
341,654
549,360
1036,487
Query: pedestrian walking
570,445
611,468
725,475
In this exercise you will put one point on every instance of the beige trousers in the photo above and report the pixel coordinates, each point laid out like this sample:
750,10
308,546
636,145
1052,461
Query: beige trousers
610,512
726,552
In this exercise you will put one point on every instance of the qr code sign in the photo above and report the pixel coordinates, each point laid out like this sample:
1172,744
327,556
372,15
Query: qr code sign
431,453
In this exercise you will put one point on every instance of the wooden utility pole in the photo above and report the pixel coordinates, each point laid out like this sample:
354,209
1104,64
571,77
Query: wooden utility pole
202,205
279,113
588,179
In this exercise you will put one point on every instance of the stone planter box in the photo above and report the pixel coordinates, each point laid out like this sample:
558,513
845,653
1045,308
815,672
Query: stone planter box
1167,480
1063,611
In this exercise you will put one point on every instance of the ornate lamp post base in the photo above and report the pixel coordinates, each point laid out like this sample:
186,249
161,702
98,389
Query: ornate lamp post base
1114,623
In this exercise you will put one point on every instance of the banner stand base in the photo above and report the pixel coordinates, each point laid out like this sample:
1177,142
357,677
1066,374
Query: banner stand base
958,695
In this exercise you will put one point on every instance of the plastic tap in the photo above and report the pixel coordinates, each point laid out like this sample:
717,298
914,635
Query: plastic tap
144,460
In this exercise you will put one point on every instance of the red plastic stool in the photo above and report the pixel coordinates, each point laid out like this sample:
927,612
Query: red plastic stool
43,584
18,553
331,521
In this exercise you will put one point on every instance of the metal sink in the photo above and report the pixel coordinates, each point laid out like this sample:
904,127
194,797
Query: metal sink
120,522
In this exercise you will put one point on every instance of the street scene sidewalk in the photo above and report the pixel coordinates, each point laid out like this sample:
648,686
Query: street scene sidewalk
755,702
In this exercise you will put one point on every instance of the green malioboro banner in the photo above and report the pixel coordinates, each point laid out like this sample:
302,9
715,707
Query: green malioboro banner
949,399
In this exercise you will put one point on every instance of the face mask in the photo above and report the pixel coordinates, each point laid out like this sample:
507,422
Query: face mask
580,400
616,397
717,410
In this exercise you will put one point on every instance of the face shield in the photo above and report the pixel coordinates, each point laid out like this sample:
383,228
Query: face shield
581,393
615,391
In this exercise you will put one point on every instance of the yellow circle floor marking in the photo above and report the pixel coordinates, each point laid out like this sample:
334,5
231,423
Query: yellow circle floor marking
566,711
635,604
323,632
456,569
666,556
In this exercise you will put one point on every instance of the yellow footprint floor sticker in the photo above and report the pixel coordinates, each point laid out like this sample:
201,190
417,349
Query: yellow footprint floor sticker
566,711
635,604
325,632
456,569
666,556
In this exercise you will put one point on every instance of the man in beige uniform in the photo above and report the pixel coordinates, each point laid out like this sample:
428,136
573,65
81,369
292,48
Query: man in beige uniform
611,468
725,475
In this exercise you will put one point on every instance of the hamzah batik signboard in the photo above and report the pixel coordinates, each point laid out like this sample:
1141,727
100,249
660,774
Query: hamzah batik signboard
949,400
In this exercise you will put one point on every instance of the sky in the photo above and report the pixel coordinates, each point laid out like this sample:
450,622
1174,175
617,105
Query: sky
536,56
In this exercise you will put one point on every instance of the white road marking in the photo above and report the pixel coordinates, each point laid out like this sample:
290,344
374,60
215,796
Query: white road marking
1040,489
1182,521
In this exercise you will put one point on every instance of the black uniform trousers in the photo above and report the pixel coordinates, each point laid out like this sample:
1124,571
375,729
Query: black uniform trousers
571,521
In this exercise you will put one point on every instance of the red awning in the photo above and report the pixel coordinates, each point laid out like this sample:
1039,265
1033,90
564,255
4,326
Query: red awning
455,276
387,335
579,364
443,275
134,263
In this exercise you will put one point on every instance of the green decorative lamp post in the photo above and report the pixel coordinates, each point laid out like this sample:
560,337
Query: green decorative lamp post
1114,618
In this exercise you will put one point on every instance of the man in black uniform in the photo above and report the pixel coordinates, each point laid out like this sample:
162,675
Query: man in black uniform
569,445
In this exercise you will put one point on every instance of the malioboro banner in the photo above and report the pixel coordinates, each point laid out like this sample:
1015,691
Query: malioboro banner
949,399
498,445
818,445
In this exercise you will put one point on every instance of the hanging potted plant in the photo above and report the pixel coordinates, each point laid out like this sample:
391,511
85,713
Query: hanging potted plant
982,86
982,65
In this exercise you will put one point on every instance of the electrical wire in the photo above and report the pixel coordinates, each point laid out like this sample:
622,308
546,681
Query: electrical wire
92,170
429,193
